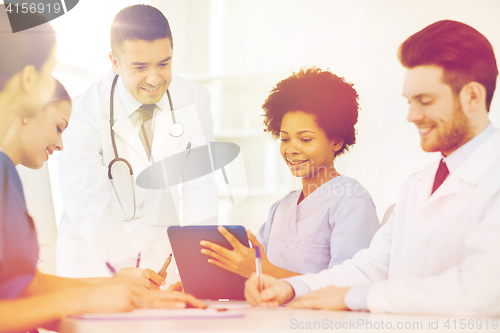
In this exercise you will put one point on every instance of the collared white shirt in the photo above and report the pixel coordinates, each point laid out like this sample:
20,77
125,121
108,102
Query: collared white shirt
455,159
129,105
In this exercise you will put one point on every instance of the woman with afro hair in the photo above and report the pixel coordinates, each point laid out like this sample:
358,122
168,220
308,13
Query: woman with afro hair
313,113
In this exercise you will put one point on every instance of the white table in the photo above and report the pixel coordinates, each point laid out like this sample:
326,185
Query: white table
286,320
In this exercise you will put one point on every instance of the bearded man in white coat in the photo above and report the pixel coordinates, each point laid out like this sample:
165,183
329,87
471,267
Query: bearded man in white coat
114,222
439,252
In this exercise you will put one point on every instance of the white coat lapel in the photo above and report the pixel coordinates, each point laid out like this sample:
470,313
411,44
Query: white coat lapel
482,161
123,128
450,186
164,144
473,170
163,122
186,113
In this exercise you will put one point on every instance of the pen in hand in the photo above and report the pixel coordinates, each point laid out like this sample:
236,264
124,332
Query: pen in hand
163,271
111,269
138,262
258,267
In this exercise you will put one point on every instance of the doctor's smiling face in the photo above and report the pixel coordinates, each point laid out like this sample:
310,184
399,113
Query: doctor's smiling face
435,110
451,75
305,146
145,68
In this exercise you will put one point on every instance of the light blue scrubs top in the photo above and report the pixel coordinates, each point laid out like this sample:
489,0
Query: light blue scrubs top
329,226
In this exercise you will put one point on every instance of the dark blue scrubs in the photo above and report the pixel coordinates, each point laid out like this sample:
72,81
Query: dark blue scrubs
18,240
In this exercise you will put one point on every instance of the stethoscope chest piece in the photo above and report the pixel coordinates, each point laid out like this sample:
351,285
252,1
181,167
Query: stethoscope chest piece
177,130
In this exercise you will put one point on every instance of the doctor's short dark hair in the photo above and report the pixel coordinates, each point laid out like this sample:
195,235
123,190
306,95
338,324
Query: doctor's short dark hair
139,22
23,48
463,52
326,96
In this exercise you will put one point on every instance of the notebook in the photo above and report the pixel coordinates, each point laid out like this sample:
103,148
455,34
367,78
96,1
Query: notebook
160,314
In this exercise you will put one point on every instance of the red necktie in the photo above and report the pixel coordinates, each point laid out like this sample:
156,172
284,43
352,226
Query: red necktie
441,174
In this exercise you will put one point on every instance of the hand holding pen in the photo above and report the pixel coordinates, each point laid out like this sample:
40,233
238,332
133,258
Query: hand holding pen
258,267
265,290
112,270
132,273
163,271
177,287
152,279
158,279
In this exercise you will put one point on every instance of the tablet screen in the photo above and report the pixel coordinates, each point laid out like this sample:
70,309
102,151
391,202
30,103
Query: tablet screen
199,278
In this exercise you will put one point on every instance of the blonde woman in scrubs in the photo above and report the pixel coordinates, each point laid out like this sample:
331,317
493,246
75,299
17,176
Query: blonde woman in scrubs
29,298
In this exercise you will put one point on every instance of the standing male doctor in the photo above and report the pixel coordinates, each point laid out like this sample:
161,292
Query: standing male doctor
153,115
439,252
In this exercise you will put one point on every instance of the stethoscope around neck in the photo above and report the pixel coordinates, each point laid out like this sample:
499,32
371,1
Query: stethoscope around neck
176,131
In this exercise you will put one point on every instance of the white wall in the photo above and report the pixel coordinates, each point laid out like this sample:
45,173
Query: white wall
241,48
263,41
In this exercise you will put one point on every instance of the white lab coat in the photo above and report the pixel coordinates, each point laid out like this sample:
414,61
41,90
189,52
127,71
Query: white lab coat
437,254
93,229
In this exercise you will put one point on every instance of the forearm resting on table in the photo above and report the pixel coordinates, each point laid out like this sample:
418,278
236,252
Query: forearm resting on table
23,314
45,283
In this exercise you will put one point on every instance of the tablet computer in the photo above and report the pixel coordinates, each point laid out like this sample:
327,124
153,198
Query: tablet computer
199,278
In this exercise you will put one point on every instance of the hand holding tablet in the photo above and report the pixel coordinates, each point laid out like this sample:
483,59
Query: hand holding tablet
199,277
